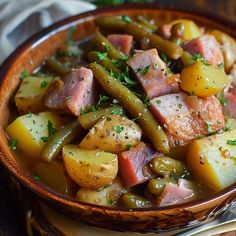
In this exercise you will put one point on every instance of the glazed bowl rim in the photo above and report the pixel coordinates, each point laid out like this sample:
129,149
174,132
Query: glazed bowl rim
41,36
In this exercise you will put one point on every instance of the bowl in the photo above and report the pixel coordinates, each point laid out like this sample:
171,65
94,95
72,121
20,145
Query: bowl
30,55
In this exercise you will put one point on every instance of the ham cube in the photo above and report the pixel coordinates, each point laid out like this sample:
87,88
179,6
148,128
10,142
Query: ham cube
74,92
185,120
133,164
151,73
165,31
121,41
208,47
175,194
230,108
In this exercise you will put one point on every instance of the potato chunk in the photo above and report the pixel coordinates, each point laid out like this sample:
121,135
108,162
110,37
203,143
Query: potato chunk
30,129
91,169
213,161
191,30
202,80
112,133
30,93
106,197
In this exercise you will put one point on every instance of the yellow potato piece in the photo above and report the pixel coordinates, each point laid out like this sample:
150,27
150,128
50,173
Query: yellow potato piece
191,30
112,133
30,93
91,169
29,129
202,80
213,161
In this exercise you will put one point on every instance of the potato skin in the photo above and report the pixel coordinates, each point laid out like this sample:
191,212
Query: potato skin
108,196
212,161
91,169
112,133
202,80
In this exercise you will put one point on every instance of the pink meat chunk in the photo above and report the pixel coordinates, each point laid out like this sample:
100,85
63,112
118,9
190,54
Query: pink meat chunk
74,92
133,164
230,108
175,194
165,31
207,46
151,73
184,118
121,41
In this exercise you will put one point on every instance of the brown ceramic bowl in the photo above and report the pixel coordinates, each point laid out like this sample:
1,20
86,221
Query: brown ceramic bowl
30,55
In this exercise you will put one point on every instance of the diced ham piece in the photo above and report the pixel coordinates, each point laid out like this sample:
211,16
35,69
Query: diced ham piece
208,47
230,109
121,41
133,164
151,73
165,31
186,120
175,194
74,92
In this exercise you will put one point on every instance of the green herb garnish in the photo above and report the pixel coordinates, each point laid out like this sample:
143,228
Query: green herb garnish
231,142
13,144
118,128
51,128
44,139
128,146
223,100
116,111
197,56
44,84
164,56
101,55
37,177
221,66
24,74
209,126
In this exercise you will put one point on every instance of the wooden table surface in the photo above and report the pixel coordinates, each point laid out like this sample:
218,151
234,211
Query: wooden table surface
9,223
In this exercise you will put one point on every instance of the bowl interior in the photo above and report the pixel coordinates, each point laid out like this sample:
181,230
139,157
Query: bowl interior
32,53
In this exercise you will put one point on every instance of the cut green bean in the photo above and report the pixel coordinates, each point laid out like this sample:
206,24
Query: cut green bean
146,23
88,120
156,186
56,67
111,23
105,46
134,106
107,63
166,166
131,200
62,137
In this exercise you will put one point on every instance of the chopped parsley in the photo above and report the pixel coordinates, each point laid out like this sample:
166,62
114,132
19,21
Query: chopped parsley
29,115
143,71
191,93
164,56
221,66
110,201
44,139
37,177
231,142
209,126
206,63
197,56
102,98
13,144
51,128
44,84
118,128
101,55
24,74
127,19
180,105
158,102
128,146
116,111
223,100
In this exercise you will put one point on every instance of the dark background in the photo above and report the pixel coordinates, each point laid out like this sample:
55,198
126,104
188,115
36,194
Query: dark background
9,219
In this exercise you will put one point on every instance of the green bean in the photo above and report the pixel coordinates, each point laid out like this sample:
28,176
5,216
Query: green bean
171,49
88,120
146,23
156,186
187,59
107,63
166,166
111,23
104,45
134,106
62,137
56,67
131,200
